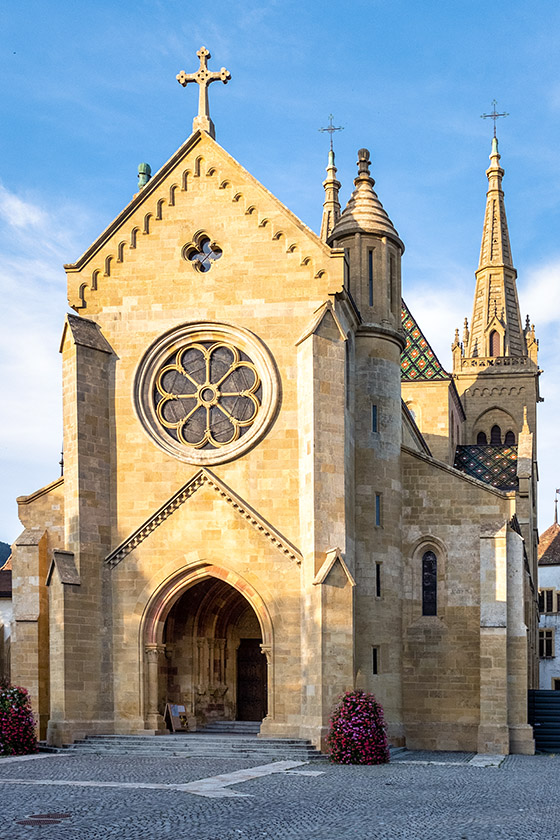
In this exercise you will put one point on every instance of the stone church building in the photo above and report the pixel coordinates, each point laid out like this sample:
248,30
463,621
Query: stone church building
272,489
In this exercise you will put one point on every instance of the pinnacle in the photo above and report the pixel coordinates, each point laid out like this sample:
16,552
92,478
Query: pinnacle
364,211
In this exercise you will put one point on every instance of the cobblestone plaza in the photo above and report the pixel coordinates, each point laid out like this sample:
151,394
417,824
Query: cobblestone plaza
418,795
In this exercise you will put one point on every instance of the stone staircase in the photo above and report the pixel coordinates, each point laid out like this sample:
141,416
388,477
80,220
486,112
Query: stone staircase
221,739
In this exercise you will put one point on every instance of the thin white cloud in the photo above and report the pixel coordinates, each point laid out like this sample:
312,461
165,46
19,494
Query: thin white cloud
541,292
35,241
15,212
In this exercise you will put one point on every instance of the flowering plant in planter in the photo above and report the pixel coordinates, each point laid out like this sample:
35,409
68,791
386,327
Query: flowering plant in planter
357,732
17,724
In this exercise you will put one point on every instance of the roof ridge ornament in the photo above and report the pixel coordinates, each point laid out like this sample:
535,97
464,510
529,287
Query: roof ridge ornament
204,77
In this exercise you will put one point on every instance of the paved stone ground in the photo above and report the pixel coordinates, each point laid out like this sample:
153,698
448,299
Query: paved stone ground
410,798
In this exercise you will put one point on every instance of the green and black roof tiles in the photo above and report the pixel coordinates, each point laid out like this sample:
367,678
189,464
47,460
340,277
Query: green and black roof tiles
418,360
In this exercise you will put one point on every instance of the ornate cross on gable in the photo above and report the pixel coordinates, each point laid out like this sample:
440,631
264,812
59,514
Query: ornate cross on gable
203,77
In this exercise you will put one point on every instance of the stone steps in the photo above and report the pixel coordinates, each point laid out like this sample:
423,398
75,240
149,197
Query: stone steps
196,744
233,727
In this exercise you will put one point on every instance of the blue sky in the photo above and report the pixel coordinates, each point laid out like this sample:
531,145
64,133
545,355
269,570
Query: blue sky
89,91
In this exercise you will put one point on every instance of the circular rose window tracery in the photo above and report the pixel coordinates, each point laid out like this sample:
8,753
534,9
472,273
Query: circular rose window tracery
206,392
208,395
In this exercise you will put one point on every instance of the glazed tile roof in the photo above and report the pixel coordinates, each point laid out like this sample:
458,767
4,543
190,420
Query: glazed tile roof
418,360
496,465
549,546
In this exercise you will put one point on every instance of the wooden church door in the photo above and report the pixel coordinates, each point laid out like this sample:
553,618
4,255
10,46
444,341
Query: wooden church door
251,680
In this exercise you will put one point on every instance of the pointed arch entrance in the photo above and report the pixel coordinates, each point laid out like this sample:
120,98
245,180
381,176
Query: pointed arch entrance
207,639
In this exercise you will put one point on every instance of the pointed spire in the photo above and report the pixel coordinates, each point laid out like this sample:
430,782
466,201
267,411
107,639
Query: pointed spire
331,204
364,212
466,332
455,342
525,427
495,248
556,508
495,302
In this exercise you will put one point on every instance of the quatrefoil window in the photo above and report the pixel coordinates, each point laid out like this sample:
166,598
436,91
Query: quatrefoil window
207,394
202,253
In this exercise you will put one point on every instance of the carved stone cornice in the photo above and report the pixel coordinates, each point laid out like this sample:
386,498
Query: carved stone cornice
200,479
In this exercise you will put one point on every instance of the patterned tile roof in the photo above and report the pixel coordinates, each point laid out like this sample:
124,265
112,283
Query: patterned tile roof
549,546
418,360
496,465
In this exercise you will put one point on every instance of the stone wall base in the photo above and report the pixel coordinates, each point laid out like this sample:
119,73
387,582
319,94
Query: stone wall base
60,732
396,734
521,740
493,739
461,737
277,729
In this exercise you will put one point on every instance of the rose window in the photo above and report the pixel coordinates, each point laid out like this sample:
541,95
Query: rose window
207,394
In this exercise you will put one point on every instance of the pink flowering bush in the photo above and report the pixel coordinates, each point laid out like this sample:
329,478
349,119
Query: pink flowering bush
17,725
357,731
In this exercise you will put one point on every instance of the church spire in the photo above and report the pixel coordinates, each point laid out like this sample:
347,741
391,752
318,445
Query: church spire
495,248
496,328
331,204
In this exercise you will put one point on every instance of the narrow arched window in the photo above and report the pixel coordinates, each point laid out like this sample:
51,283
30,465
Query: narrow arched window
495,348
429,583
481,439
509,439
495,436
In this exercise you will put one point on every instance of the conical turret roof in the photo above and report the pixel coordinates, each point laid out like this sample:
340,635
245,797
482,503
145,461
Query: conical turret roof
364,212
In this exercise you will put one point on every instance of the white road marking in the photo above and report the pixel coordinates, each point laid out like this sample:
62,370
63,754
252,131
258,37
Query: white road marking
486,760
7,759
216,786
212,787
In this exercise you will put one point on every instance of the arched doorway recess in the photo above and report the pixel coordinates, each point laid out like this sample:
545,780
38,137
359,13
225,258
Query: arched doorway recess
208,647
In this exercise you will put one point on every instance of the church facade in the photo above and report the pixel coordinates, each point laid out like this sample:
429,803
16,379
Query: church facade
273,491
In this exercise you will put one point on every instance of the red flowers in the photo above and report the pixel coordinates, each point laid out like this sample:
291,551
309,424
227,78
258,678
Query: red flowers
357,731
17,725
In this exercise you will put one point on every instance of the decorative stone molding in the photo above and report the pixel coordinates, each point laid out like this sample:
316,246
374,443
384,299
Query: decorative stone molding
317,319
333,556
201,478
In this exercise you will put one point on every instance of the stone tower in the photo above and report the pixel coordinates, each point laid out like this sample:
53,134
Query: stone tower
373,252
497,377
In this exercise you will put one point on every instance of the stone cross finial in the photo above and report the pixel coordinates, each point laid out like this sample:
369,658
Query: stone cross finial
203,77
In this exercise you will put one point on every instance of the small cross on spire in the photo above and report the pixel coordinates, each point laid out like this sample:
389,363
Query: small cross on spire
331,129
203,77
494,115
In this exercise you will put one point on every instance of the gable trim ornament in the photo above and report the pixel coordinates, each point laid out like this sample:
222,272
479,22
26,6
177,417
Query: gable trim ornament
332,557
200,479
317,319
206,392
